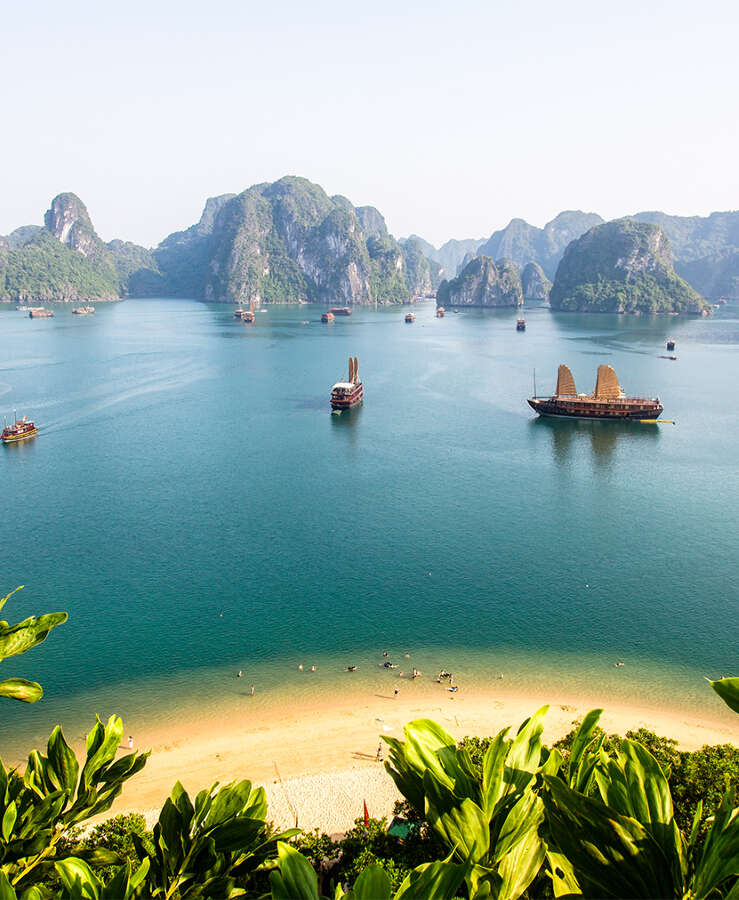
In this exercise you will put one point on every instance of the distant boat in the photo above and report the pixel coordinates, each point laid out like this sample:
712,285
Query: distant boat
18,431
239,313
670,344
607,401
349,393
440,312
39,312
520,324
327,317
84,310
247,315
410,317
24,308
341,310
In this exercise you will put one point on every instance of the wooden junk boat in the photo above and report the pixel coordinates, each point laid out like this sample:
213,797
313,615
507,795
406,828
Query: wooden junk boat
246,315
327,317
521,323
40,312
349,393
84,310
18,431
607,401
670,344
410,317
341,310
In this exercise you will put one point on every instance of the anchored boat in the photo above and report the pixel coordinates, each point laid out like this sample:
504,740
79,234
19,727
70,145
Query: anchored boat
18,431
607,401
410,317
349,393
39,312
341,310
84,310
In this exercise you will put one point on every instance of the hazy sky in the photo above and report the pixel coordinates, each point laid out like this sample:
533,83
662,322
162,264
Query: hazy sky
450,118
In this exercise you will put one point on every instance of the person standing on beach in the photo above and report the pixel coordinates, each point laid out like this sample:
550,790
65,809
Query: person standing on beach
130,742
251,690
378,757
397,691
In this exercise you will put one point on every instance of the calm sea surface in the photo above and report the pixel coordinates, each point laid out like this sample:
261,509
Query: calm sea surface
195,507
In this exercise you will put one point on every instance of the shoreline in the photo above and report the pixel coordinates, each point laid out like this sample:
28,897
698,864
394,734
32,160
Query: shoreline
319,759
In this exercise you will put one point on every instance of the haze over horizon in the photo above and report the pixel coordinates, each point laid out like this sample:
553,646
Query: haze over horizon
450,121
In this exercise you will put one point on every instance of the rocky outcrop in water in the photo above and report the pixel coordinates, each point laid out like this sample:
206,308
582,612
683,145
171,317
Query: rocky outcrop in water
622,266
535,284
483,282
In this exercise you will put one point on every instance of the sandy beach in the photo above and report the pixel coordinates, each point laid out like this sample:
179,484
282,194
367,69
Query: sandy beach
318,763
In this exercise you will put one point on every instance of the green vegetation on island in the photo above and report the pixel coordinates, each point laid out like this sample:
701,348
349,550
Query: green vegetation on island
622,266
502,817
483,282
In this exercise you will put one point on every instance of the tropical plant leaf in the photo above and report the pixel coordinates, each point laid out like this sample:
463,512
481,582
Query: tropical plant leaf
373,884
719,856
728,691
296,879
438,880
20,689
460,823
611,855
20,638
79,880
564,883
4,600
7,892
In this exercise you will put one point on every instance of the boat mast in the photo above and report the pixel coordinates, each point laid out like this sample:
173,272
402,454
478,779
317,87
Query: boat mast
534,382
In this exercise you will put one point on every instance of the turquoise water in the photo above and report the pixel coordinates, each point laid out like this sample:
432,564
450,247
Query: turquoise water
194,506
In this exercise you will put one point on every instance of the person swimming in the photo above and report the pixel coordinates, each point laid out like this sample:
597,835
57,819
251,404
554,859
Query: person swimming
351,668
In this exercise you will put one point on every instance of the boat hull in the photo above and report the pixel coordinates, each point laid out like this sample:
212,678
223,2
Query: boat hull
613,411
342,402
16,438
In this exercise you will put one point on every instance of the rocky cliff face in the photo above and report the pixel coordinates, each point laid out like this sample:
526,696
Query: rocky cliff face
483,283
622,266
289,242
526,243
65,260
449,257
535,284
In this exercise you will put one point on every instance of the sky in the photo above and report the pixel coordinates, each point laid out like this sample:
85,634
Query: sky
450,118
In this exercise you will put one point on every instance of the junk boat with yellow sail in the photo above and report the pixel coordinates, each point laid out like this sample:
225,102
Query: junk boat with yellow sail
349,393
607,401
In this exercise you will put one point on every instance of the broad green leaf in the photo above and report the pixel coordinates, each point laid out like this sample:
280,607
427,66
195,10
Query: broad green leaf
80,881
520,865
372,884
9,817
20,689
564,883
63,764
297,880
493,766
438,880
6,889
524,754
612,855
20,638
104,750
718,859
461,823
583,737
728,691
424,744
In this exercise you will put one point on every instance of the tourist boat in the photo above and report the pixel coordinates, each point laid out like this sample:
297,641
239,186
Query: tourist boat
349,393
410,317
520,324
341,310
670,344
18,431
247,315
440,312
24,308
239,313
39,312
84,310
327,317
607,401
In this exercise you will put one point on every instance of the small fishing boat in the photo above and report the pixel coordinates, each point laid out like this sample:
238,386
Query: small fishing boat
327,317
84,310
520,324
247,315
670,344
349,393
39,312
341,310
410,317
18,431
440,312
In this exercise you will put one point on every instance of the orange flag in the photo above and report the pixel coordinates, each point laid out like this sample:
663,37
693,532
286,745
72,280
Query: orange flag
366,815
